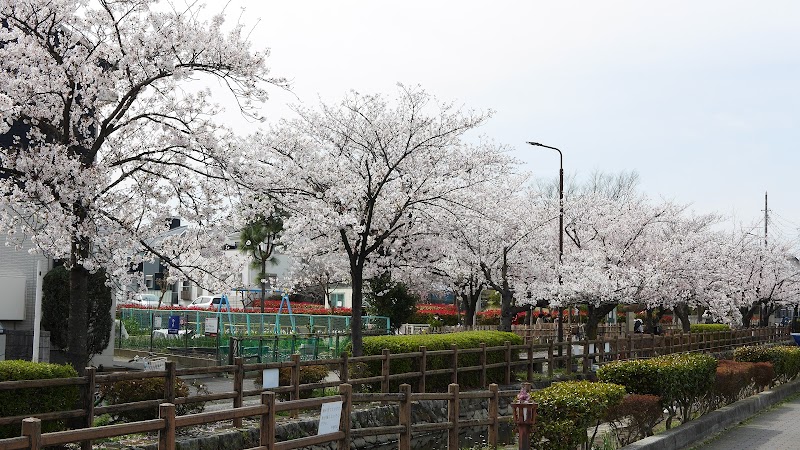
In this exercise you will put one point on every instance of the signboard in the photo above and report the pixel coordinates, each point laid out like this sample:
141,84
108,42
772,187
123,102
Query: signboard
159,364
329,417
212,326
173,324
157,322
270,378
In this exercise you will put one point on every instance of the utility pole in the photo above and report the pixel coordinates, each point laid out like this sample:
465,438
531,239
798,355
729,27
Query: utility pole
766,219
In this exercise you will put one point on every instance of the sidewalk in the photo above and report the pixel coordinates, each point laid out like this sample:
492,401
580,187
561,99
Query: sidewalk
774,429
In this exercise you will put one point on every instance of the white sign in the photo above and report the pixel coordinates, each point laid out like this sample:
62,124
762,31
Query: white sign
329,417
211,325
270,378
158,364
157,322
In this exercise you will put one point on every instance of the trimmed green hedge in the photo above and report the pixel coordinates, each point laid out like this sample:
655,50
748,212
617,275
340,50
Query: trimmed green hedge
708,327
567,409
681,380
146,389
374,345
26,401
785,359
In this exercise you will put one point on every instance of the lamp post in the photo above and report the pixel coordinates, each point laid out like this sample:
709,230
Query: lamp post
560,231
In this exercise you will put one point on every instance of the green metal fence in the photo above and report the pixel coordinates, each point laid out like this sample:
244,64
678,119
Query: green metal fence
262,337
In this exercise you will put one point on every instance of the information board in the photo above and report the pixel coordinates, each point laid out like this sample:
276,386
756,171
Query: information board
329,417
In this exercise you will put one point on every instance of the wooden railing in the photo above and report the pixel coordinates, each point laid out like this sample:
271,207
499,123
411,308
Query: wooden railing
529,358
267,411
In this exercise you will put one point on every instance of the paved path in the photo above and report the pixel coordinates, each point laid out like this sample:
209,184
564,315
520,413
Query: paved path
777,428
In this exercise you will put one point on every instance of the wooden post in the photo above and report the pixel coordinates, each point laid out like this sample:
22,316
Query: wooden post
267,429
569,355
423,363
602,349
345,390
586,356
238,386
295,383
88,403
452,417
508,363
169,382
618,348
385,371
630,347
483,364
550,360
345,370
454,377
405,417
494,408
32,427
166,436
530,360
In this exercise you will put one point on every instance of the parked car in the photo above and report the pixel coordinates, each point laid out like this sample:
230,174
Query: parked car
209,301
144,300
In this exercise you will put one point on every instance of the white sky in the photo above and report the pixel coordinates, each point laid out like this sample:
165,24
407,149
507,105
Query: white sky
701,98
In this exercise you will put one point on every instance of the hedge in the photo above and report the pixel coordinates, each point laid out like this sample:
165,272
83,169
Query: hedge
708,327
374,345
36,400
681,380
785,359
567,409
146,389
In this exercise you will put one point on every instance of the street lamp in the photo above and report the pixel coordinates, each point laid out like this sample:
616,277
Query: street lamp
560,230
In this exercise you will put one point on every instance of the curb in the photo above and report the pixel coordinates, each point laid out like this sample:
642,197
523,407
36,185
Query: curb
716,421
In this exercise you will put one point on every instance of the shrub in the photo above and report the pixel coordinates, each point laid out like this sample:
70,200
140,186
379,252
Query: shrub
785,359
374,345
128,391
681,380
635,417
567,409
30,401
732,378
763,375
708,327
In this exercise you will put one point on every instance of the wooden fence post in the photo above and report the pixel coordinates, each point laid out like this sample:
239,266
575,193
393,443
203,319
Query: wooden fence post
454,377
385,371
483,364
452,417
530,362
508,363
32,427
346,391
494,411
344,373
88,403
238,386
166,436
569,355
169,382
405,417
423,363
267,429
618,349
586,365
550,360
630,347
295,383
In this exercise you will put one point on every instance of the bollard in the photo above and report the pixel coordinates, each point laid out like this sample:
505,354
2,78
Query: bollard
525,417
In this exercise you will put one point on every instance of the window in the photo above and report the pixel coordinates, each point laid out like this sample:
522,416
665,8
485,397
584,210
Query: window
337,299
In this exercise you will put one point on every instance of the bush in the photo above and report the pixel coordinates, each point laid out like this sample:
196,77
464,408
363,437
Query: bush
30,401
785,359
635,417
681,380
146,389
374,345
567,409
708,327
732,379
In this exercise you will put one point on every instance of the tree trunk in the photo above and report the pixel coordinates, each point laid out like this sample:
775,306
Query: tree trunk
507,310
77,324
355,317
747,314
469,309
595,315
681,310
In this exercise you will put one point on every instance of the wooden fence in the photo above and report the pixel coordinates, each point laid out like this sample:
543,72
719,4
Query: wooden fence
267,411
529,358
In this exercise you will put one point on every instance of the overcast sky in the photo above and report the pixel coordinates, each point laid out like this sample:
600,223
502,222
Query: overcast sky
701,98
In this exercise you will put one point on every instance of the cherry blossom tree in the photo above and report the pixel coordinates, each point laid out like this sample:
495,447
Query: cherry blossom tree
106,133
365,177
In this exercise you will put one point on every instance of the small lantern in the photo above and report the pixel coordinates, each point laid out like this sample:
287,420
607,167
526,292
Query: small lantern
524,413
524,410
